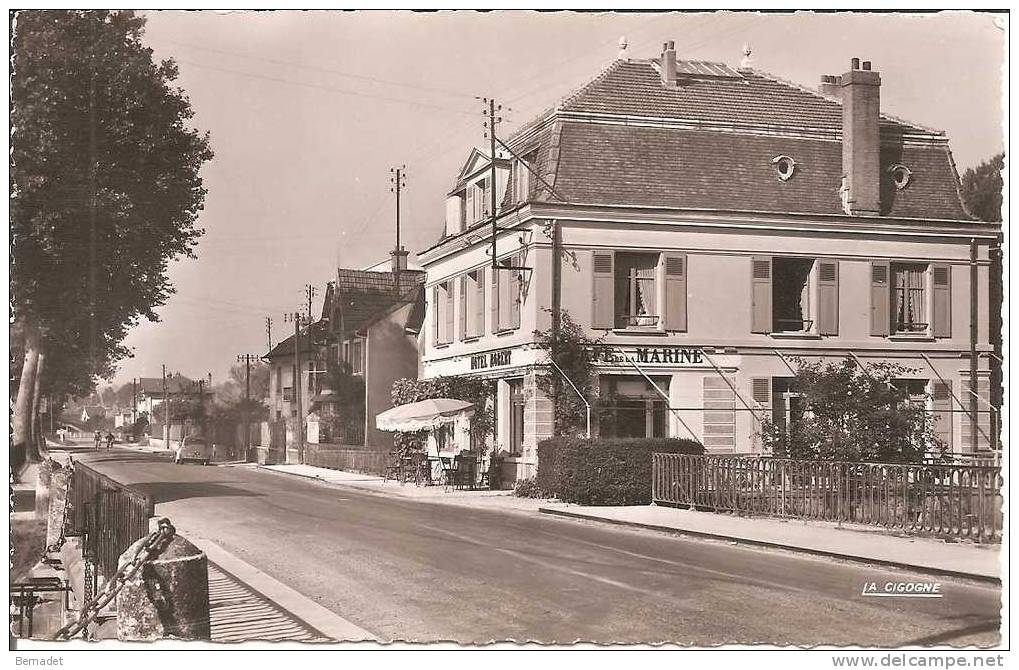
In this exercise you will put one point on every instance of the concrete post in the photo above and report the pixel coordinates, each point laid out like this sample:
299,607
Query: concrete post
42,487
168,597
60,481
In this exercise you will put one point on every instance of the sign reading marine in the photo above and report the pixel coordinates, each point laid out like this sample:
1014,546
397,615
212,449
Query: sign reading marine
650,356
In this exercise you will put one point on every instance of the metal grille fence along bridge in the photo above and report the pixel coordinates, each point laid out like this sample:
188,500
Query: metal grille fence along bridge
108,516
955,500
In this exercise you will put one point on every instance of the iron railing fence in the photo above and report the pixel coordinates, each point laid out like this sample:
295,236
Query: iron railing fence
954,500
107,515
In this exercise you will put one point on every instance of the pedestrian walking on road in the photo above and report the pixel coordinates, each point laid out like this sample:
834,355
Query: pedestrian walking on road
109,440
99,439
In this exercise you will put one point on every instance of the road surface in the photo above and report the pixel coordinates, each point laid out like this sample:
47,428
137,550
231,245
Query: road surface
420,571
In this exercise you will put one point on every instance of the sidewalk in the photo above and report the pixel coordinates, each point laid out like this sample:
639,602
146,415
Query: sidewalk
974,561
504,500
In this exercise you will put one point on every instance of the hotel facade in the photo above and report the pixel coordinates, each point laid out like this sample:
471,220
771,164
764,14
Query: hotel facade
713,224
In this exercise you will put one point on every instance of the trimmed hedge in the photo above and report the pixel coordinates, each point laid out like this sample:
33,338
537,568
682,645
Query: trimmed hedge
609,471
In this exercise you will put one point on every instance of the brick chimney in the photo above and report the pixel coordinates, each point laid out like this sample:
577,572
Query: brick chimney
399,259
861,144
669,63
831,85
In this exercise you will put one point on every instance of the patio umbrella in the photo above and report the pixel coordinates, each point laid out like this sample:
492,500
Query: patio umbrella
424,415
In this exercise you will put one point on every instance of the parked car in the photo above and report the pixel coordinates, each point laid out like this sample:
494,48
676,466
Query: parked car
194,448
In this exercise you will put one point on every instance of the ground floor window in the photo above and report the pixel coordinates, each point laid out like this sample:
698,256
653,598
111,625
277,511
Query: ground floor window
632,408
786,404
515,443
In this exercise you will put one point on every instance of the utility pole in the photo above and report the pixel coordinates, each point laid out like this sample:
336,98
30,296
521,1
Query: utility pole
296,318
268,331
974,315
398,181
490,124
309,293
557,280
166,412
134,401
201,406
247,359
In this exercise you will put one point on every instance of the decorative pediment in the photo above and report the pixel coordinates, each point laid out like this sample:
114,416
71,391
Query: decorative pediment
476,160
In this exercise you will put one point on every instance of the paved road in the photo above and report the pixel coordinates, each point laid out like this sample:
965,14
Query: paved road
412,570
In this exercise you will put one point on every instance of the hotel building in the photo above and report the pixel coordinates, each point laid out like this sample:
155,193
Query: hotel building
714,222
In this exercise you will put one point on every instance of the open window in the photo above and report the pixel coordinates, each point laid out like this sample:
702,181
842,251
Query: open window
636,290
791,295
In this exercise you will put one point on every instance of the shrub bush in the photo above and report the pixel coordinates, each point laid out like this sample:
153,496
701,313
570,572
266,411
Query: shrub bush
528,488
609,471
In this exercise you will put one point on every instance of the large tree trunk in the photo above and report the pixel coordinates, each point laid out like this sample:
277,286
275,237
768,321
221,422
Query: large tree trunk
37,427
23,449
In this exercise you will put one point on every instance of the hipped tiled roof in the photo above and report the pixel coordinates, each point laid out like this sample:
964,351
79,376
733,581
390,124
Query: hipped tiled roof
362,296
174,384
717,154
320,335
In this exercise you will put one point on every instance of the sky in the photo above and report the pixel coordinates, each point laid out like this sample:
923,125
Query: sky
308,111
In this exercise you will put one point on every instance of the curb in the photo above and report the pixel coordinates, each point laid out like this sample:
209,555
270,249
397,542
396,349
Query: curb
987,579
373,491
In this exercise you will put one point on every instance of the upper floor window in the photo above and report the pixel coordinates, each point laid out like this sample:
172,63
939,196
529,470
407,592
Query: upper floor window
522,176
507,293
442,312
472,304
477,201
791,299
353,356
636,290
794,295
909,297
357,357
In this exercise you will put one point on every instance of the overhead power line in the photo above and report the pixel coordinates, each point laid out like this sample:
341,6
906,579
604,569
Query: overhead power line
322,87
328,70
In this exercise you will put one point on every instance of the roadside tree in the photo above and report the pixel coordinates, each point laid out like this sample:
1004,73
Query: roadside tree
105,193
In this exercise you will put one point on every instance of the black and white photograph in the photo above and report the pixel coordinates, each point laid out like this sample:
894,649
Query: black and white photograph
501,330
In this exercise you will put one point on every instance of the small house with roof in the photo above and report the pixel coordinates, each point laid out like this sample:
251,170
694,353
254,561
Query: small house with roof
375,320
714,221
365,339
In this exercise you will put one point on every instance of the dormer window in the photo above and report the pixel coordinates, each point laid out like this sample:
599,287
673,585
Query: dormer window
900,175
784,167
477,201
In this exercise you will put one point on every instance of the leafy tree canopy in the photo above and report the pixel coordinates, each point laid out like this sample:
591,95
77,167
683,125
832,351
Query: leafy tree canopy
849,413
574,353
981,189
101,143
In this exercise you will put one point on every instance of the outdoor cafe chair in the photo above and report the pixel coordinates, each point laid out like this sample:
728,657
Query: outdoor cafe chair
466,470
